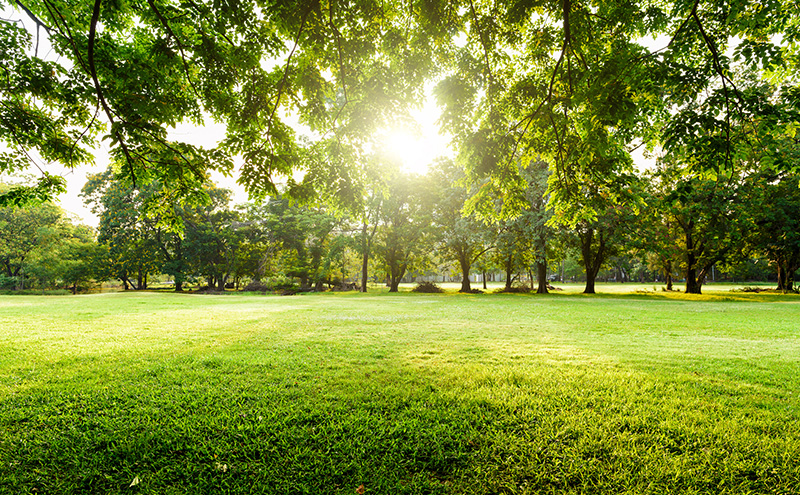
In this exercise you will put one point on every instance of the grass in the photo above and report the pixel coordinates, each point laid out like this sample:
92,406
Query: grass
400,393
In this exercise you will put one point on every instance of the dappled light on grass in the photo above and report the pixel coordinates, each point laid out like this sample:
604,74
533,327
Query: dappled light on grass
461,394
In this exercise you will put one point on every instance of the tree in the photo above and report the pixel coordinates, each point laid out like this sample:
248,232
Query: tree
132,238
773,227
82,259
404,236
703,212
461,238
602,212
23,232
511,244
303,235
536,215
213,239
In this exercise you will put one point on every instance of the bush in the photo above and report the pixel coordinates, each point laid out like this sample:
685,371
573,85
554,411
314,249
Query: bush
8,283
271,284
36,292
427,288
256,286
345,287
517,289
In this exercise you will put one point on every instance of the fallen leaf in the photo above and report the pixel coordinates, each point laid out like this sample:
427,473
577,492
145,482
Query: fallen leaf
360,490
134,482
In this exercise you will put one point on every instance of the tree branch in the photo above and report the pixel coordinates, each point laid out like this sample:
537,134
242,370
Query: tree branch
166,25
99,90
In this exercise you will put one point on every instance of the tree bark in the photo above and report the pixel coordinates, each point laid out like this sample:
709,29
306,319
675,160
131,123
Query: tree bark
692,287
668,273
394,283
691,266
541,276
781,281
365,257
509,268
592,260
465,266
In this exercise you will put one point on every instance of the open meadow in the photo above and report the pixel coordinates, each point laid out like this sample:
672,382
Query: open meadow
400,393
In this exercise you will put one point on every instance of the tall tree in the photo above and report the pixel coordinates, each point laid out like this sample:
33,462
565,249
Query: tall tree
704,212
404,236
132,238
773,226
463,239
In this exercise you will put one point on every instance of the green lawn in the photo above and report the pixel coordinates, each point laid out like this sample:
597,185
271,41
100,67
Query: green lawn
400,393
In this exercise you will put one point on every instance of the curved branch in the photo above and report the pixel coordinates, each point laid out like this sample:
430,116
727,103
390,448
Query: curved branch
283,81
99,90
165,23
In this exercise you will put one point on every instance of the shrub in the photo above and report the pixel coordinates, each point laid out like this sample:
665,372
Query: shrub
8,283
517,289
271,284
35,292
428,288
256,286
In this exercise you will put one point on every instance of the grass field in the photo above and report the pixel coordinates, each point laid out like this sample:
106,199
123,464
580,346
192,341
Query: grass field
400,393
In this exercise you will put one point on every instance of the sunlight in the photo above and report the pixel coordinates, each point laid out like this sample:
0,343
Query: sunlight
416,151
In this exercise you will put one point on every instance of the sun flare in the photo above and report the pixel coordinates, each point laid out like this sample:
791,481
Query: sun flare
415,152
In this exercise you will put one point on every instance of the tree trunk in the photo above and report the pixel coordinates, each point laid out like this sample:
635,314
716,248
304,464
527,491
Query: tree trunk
395,277
781,276
484,280
591,260
668,273
465,266
509,269
786,271
365,257
541,276
692,287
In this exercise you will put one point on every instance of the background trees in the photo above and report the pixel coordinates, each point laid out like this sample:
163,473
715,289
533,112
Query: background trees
404,241
23,234
462,239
